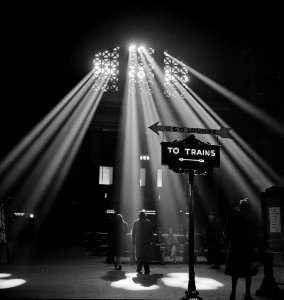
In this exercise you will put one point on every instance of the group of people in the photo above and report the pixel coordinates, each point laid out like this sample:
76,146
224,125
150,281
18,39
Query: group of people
142,234
237,231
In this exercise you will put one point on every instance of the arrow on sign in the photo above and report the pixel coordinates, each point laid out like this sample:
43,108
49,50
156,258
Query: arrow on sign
191,159
222,132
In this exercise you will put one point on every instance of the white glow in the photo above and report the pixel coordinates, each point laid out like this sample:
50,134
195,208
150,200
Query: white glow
144,157
142,176
133,283
159,178
185,78
32,216
181,280
10,283
19,214
106,64
4,275
106,175
132,47
129,284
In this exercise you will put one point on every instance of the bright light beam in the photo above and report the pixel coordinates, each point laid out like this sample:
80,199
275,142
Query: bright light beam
130,192
250,161
36,140
255,112
236,162
172,195
42,161
213,120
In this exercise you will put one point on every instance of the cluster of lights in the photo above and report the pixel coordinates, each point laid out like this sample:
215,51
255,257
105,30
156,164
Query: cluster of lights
186,213
144,157
105,64
22,214
110,211
148,211
174,74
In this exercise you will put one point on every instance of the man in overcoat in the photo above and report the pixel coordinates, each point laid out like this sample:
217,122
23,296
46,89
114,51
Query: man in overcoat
142,234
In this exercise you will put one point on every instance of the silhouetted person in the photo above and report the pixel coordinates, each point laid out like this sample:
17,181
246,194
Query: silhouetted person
118,236
171,244
110,251
142,234
162,245
185,247
214,238
240,234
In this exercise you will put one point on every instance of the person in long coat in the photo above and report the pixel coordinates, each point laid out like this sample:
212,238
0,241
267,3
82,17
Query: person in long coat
118,236
142,234
214,238
241,237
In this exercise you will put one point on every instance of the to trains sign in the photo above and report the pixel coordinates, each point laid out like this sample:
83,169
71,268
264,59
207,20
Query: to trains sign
203,156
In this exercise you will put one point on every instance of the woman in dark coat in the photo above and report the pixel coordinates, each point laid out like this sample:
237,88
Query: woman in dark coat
240,234
118,235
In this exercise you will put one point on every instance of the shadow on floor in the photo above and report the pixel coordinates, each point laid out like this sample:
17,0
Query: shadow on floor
114,276
147,280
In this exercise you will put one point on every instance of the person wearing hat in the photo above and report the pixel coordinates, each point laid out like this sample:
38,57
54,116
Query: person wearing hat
241,235
142,234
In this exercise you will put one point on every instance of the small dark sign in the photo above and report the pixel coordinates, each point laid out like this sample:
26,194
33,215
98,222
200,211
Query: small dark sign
273,217
203,156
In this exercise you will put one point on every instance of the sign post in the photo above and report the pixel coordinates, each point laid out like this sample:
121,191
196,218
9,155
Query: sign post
191,292
190,156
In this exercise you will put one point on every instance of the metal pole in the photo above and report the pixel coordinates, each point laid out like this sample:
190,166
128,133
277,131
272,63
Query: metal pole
191,292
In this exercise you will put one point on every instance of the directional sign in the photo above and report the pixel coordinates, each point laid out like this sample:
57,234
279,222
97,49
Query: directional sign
222,132
203,156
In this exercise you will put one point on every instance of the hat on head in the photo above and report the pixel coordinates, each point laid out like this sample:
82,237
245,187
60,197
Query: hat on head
244,204
142,214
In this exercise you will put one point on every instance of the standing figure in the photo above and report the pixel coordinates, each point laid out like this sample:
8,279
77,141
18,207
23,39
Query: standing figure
109,256
214,239
185,247
118,236
240,234
142,234
171,244
162,245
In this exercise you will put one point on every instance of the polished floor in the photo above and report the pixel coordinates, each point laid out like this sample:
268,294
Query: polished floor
72,272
